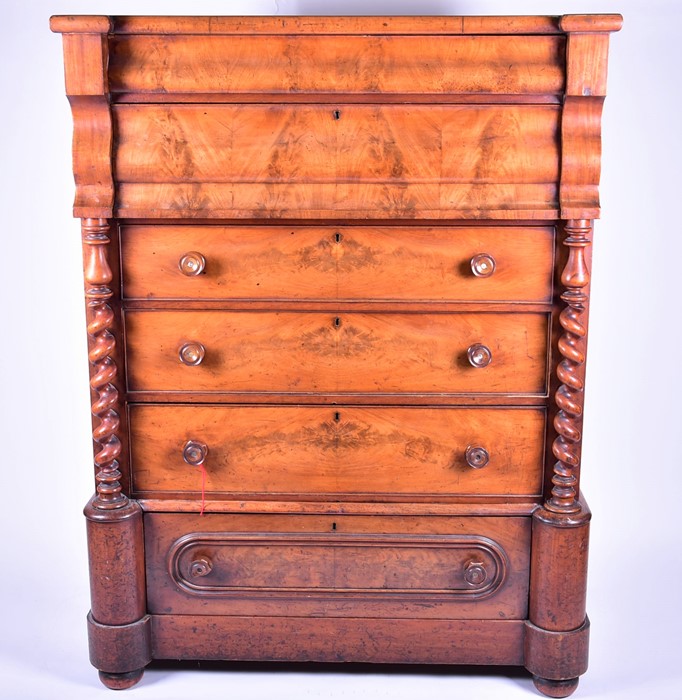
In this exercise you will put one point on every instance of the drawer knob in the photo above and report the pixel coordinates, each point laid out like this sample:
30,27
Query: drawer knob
194,453
479,355
483,265
475,573
200,567
192,263
192,354
476,457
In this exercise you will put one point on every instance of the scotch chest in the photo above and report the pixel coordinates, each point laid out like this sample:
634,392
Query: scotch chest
337,282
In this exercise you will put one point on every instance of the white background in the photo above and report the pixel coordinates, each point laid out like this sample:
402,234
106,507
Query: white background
632,456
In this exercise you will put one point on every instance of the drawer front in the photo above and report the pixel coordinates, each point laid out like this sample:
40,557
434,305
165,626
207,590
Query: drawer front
244,65
322,161
386,453
344,352
397,263
464,567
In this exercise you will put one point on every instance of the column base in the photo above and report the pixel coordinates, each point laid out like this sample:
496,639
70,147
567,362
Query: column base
556,659
120,652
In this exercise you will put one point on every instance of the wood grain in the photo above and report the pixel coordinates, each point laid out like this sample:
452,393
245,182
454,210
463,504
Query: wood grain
572,346
106,401
407,161
363,571
559,569
337,262
290,64
87,86
591,23
348,352
586,64
86,24
330,25
337,640
387,452
458,506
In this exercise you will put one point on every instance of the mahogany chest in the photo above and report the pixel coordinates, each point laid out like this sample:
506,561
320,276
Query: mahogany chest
337,279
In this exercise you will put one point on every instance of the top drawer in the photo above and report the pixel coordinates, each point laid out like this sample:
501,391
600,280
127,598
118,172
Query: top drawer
288,64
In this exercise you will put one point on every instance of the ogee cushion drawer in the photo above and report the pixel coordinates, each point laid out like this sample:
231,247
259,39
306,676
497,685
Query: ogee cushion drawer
468,263
390,453
319,161
247,65
466,567
267,351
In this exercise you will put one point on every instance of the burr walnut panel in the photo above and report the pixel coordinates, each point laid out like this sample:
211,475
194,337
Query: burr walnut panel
459,567
388,452
408,161
221,564
338,262
246,64
351,352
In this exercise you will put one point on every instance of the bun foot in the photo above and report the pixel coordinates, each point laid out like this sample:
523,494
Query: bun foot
121,681
555,689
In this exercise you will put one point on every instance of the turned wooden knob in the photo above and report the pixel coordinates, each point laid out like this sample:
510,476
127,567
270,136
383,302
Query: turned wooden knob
192,263
476,457
483,265
194,453
475,573
479,355
192,353
200,567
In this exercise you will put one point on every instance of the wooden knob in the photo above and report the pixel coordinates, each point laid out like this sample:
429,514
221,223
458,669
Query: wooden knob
192,353
479,355
200,567
194,453
475,573
192,263
476,457
483,265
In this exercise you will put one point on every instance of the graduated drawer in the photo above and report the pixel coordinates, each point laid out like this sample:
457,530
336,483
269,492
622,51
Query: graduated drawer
311,262
343,565
265,351
389,453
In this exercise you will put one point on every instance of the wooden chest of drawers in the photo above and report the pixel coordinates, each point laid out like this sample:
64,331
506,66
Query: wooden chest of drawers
337,281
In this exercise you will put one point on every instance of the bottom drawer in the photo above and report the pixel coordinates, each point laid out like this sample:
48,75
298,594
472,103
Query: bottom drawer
363,566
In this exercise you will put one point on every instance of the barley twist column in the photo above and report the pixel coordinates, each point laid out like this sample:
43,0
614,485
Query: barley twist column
101,346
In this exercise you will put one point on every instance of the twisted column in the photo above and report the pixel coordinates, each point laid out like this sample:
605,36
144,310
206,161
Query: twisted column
570,371
101,346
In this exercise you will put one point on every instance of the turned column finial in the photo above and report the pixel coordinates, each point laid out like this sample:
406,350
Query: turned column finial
101,346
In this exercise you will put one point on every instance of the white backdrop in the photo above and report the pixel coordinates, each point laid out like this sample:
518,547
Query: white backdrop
632,460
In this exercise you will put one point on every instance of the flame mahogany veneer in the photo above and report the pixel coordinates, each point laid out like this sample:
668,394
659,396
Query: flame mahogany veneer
337,276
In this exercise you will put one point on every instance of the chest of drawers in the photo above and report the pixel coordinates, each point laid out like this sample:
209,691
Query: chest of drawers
337,280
